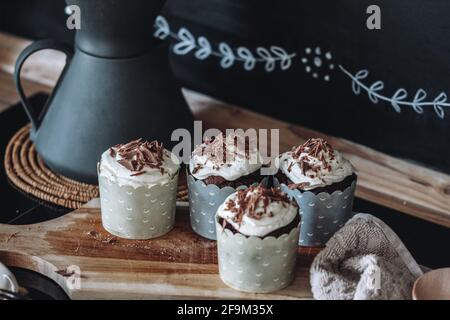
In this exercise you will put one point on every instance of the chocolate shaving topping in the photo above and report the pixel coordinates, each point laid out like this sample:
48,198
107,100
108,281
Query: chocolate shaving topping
300,186
290,166
138,174
127,164
197,169
248,201
313,149
223,149
112,152
65,273
138,154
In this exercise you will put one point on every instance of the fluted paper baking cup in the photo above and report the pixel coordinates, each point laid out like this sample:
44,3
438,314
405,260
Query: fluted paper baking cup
138,213
322,215
204,201
256,265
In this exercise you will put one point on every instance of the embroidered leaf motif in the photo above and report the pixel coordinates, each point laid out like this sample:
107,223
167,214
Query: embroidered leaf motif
399,99
374,88
399,96
285,59
438,105
228,57
265,55
361,75
247,56
162,29
186,44
204,50
420,96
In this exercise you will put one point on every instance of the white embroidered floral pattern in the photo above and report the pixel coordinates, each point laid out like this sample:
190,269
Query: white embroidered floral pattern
186,43
316,63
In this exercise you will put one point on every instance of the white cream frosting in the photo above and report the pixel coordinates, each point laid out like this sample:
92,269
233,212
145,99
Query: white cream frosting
238,168
331,166
283,215
111,169
235,166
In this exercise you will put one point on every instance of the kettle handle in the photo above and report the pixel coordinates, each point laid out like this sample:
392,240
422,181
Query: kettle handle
30,50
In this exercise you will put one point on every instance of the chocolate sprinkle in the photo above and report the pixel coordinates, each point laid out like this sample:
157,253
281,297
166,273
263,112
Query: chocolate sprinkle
138,154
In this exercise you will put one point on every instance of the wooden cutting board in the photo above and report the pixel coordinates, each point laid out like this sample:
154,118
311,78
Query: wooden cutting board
180,265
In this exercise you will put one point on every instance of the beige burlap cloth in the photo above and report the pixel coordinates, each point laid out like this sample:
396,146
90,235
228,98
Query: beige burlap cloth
365,260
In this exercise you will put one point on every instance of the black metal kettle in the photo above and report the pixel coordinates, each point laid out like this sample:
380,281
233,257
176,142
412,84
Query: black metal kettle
117,86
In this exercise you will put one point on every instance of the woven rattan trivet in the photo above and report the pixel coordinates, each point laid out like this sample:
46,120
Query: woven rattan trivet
27,172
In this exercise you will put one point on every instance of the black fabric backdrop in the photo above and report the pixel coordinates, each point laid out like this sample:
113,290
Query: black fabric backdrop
411,52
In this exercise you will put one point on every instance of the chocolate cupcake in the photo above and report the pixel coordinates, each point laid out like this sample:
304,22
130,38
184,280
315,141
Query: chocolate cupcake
218,168
323,182
258,232
138,185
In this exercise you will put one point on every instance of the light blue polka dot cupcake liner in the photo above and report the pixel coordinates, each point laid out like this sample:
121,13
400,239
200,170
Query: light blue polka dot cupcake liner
322,215
138,213
204,201
252,264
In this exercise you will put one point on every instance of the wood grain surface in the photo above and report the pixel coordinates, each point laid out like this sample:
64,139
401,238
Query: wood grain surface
180,265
